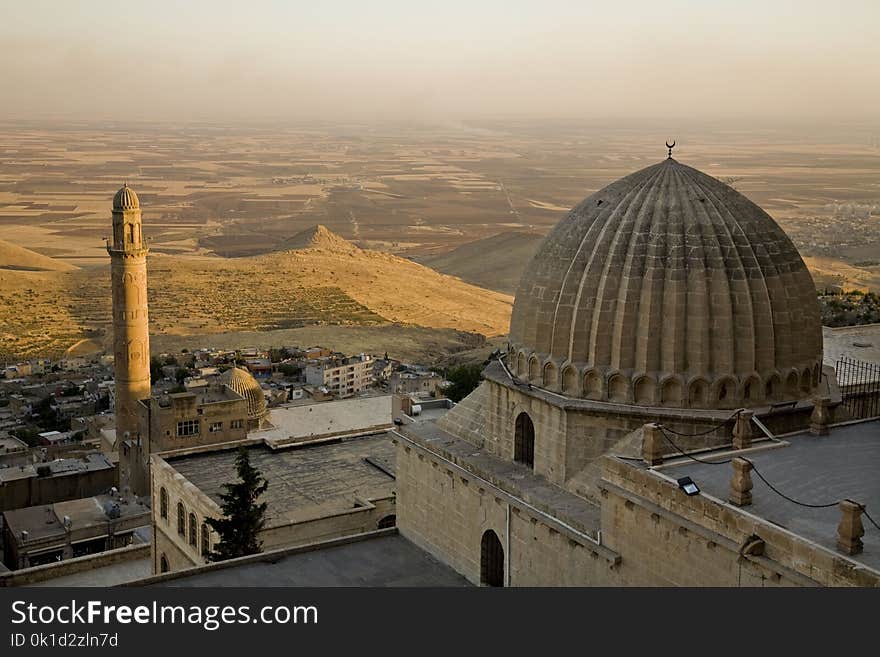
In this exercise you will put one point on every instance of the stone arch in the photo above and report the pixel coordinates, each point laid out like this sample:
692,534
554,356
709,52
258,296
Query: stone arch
163,564
550,377
618,388
163,504
534,369
752,389
491,560
726,394
806,379
592,385
570,380
387,522
671,392
205,548
644,391
521,368
772,388
792,384
524,440
193,529
817,375
698,393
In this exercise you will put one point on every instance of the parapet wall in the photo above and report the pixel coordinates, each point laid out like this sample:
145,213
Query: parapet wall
36,574
668,538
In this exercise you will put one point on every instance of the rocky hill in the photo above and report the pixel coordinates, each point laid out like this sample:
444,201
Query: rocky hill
18,258
319,279
495,263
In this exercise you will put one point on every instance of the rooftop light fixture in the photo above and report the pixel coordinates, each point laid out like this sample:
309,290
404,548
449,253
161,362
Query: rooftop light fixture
688,486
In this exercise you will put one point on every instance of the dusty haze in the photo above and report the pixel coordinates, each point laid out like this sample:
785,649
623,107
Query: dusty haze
401,60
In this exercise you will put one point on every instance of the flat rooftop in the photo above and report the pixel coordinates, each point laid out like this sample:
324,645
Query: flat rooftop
858,342
47,519
388,560
296,422
305,481
110,575
814,469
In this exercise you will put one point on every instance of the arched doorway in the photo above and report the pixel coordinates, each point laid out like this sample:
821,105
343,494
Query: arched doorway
163,564
524,440
491,560
387,521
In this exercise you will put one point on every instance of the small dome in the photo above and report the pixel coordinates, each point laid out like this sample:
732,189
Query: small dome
670,288
242,382
125,199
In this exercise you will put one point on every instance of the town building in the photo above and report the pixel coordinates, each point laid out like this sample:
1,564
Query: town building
330,468
342,376
54,532
666,318
426,383
316,491
57,480
207,415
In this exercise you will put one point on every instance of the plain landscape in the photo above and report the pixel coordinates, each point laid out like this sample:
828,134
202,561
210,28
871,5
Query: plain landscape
381,237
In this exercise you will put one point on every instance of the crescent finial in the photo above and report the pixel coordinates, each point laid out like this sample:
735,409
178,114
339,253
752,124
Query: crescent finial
670,147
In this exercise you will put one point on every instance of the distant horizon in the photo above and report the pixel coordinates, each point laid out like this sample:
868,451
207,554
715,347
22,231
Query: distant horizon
271,62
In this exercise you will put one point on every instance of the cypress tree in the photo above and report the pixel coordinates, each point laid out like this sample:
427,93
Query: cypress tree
243,516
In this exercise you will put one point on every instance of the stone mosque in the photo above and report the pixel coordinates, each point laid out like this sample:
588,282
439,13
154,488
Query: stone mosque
665,304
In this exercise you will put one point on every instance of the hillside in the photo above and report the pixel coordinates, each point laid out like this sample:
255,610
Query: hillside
397,289
317,237
18,258
495,263
324,280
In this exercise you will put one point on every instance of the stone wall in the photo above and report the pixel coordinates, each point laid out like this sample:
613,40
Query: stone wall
569,439
651,534
445,510
667,538
47,572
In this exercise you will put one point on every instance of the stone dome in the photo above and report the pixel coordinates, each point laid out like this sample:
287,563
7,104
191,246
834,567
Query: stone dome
242,382
125,199
668,288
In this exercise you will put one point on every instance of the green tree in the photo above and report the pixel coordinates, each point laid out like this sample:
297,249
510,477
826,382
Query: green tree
155,370
464,379
243,515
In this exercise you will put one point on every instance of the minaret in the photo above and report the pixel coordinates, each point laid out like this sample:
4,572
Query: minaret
131,337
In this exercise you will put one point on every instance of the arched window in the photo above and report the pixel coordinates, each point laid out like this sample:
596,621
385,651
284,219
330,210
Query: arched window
524,440
163,503
491,560
163,564
206,540
181,519
193,531
387,521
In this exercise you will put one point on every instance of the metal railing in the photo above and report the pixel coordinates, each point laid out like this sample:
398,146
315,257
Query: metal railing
859,387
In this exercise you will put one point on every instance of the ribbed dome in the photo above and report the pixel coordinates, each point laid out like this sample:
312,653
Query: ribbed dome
668,287
125,199
246,385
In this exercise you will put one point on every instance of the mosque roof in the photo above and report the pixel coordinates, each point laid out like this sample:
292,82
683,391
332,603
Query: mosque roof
125,199
668,287
246,385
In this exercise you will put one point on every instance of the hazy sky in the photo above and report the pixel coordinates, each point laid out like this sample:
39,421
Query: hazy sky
255,60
